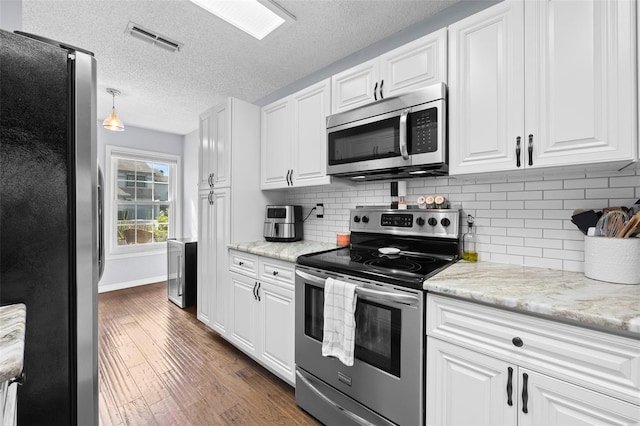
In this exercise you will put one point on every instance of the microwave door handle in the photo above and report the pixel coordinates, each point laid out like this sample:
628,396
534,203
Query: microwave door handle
403,135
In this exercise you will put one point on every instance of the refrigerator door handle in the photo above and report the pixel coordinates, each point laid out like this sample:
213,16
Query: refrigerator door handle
100,223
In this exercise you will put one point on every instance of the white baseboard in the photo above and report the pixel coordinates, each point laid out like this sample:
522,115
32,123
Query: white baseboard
128,284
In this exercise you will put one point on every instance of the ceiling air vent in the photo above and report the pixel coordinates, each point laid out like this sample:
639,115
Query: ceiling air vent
154,38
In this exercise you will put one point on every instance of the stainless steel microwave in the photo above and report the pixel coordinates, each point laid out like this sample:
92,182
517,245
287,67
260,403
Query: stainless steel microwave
400,137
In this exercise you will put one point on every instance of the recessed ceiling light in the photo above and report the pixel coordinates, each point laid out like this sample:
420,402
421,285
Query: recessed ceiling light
255,17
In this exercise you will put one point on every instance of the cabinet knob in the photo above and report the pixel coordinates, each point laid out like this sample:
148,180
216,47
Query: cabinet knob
241,263
275,273
517,342
18,379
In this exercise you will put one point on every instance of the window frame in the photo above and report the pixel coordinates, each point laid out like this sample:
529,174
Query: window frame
115,153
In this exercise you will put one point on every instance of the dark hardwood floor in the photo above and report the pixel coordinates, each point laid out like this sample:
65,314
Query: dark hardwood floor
159,365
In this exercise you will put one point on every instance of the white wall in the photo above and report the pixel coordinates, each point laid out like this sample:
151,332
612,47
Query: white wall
521,218
137,269
190,185
11,15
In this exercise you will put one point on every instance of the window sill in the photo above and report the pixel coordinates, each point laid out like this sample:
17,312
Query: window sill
123,253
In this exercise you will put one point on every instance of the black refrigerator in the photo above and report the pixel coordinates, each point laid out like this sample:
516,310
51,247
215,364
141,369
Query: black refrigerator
50,231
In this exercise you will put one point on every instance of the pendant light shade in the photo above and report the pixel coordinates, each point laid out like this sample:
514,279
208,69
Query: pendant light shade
113,122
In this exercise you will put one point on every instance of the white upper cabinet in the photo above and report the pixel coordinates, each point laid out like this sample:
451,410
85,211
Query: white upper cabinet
293,141
215,149
412,66
543,83
276,136
311,107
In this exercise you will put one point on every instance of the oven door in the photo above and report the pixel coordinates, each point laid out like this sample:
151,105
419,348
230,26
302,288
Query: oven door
387,374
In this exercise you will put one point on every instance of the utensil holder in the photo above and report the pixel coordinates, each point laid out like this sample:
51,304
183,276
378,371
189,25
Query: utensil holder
616,260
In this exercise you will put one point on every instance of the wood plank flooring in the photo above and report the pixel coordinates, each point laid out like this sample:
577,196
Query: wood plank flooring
159,365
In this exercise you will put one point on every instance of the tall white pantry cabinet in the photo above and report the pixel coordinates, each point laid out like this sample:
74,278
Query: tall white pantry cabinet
543,83
231,205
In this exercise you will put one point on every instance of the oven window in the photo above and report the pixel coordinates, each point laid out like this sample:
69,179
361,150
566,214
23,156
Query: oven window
313,311
379,139
378,329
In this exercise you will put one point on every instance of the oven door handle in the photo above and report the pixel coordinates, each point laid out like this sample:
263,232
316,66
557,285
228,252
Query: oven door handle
385,296
366,293
356,418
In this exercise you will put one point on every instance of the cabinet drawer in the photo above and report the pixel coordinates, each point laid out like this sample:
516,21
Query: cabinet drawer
277,271
243,263
597,360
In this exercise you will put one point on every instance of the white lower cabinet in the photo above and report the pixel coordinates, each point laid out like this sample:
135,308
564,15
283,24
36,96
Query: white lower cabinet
488,366
262,311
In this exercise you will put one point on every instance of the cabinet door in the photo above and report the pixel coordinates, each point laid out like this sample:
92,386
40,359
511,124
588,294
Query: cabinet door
206,258
221,163
467,388
486,90
276,145
553,402
580,81
311,107
355,87
206,149
277,329
415,65
244,331
219,294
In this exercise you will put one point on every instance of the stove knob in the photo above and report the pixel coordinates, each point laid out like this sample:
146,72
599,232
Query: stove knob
365,219
433,221
445,222
420,221
356,219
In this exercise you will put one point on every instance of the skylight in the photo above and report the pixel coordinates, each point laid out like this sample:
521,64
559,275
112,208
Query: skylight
257,18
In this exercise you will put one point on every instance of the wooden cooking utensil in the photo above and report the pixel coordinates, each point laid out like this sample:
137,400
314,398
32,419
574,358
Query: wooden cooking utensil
630,228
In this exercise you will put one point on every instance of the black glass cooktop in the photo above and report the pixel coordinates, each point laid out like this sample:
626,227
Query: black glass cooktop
403,261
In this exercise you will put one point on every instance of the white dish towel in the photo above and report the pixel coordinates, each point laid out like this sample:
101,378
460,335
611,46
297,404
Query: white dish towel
339,320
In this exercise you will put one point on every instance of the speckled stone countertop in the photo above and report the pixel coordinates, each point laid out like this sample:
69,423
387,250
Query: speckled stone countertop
282,251
13,319
556,294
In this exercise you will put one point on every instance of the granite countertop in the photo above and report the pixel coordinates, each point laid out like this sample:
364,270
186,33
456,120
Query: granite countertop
282,251
13,319
556,294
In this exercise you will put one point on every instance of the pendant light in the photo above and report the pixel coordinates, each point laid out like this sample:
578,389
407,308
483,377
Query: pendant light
113,122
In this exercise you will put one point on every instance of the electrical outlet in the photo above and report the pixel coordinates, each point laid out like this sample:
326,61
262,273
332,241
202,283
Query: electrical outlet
320,210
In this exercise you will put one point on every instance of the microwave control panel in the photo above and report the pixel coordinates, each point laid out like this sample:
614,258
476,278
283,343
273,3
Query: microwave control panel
424,130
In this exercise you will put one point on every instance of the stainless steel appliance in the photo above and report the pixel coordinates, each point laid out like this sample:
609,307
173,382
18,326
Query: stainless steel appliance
283,223
182,261
400,137
391,254
49,236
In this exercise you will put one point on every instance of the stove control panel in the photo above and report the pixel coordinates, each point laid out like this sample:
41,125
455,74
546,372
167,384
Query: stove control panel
418,222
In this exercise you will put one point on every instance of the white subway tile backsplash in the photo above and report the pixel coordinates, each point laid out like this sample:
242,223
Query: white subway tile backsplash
612,192
522,219
543,184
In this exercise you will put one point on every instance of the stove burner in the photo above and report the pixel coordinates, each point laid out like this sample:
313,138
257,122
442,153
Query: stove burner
392,264
356,257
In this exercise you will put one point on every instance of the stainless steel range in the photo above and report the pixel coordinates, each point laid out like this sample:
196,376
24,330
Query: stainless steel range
392,253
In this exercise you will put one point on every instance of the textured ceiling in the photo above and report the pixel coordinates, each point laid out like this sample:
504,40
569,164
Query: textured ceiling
167,91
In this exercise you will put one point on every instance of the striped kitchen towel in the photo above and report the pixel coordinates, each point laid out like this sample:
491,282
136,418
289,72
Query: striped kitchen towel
339,320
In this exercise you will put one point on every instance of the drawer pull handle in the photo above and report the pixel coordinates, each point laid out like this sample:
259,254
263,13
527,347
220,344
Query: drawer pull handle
525,393
510,387
517,342
275,273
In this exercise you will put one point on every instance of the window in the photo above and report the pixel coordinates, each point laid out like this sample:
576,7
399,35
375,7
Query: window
143,196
